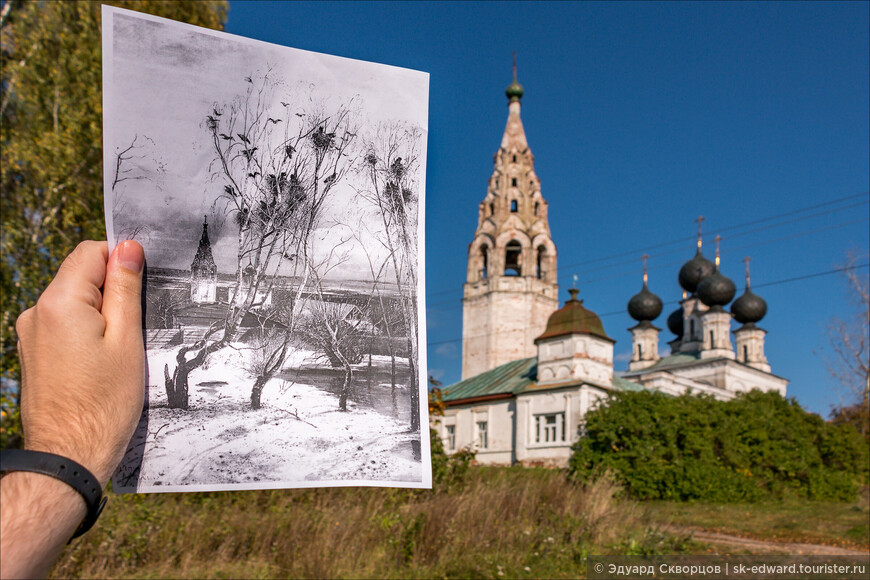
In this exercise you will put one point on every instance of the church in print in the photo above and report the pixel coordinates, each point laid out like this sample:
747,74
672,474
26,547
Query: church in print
531,369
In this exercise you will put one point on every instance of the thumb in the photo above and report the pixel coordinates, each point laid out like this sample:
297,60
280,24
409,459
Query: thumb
122,292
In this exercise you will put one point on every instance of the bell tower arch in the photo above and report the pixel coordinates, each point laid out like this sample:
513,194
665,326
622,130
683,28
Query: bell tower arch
511,285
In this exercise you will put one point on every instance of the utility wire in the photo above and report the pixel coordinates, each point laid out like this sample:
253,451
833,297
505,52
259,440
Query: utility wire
624,273
671,302
683,240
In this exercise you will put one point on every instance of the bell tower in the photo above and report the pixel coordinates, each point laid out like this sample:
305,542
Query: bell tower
510,290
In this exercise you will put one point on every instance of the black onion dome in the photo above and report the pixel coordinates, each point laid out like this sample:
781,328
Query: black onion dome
694,271
716,289
644,305
750,307
675,322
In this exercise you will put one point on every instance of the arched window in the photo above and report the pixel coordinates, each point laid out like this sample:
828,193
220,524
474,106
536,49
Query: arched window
514,181
745,353
691,329
515,158
712,342
537,206
513,253
491,209
542,255
484,255
513,206
639,352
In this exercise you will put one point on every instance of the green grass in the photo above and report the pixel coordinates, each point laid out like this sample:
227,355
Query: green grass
487,523
841,524
492,523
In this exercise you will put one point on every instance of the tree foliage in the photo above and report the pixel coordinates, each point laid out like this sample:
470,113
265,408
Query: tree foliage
51,148
755,446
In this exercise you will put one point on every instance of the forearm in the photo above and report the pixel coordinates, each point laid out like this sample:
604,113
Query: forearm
38,515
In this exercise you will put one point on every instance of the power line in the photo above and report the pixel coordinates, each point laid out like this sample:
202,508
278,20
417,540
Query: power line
670,302
681,240
454,303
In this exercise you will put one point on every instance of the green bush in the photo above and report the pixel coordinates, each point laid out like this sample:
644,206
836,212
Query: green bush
448,470
756,446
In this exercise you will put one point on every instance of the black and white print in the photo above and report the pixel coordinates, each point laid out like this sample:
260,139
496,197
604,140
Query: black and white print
278,194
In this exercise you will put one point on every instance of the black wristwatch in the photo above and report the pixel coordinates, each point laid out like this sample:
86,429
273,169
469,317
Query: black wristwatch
66,470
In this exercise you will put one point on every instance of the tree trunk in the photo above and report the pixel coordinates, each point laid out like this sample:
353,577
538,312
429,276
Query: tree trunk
257,391
393,380
345,389
369,381
415,392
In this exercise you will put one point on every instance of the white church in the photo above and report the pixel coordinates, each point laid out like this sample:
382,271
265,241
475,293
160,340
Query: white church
531,370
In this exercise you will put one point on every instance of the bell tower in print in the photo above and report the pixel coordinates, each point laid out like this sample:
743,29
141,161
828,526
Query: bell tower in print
510,288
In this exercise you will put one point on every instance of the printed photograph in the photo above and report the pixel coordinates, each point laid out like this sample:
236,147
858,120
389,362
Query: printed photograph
279,196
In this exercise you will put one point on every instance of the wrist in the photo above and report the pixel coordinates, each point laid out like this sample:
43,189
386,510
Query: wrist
39,516
101,470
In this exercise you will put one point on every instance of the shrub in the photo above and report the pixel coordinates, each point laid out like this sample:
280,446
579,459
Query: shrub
755,446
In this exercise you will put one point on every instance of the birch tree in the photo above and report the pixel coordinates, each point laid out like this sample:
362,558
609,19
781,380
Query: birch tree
391,167
276,159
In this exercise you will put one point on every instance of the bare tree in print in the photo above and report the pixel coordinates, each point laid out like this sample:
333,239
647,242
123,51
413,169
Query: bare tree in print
391,167
276,159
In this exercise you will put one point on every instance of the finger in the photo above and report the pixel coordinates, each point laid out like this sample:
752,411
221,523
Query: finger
122,292
81,275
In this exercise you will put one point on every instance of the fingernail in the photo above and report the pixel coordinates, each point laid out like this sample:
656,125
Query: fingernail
131,256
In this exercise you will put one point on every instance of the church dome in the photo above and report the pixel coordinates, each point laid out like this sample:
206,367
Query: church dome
750,307
694,271
644,305
574,318
716,289
514,91
675,322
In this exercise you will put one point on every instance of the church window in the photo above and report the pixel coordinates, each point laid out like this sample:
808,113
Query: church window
537,205
513,206
745,353
513,181
691,329
450,440
542,254
482,435
639,352
550,428
515,158
712,342
513,251
492,209
484,254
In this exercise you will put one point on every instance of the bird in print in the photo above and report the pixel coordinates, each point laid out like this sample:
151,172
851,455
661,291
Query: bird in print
249,80
285,104
249,153
289,150
273,121
226,137
243,138
254,175
216,114
290,257
299,114
228,189
330,179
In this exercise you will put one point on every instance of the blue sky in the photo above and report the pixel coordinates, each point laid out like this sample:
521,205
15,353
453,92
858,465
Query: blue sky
641,116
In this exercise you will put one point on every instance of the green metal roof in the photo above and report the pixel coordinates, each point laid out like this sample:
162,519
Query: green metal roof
622,384
513,378
509,378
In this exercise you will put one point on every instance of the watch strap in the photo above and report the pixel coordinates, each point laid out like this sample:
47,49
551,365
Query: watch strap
68,471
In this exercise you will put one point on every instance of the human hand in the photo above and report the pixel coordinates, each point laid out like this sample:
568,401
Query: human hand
83,359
